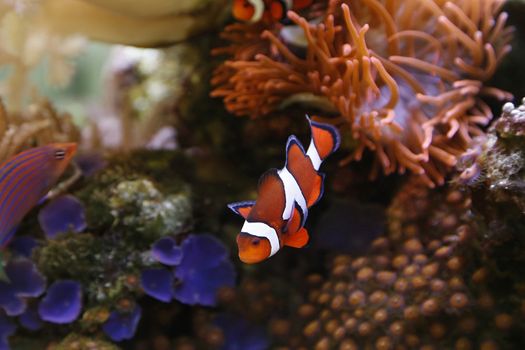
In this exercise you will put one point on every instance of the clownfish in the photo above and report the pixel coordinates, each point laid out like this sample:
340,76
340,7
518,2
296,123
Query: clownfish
284,196
272,10
25,179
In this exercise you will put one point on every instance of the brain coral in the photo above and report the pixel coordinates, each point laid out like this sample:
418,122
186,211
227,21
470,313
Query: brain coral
405,78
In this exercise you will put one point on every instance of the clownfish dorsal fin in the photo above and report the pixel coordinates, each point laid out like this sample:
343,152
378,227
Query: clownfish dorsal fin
296,239
242,208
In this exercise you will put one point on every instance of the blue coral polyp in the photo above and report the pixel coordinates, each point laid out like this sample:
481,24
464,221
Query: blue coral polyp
62,303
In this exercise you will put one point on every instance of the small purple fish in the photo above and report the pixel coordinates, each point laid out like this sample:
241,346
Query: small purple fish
25,179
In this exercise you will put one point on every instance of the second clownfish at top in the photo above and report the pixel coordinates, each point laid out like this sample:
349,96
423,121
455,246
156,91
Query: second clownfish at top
272,10
278,216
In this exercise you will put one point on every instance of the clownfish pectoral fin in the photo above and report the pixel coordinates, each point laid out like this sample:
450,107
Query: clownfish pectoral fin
297,239
296,221
242,208
325,138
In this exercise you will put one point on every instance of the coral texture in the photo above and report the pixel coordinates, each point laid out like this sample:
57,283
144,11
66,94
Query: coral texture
421,286
495,163
405,78
38,124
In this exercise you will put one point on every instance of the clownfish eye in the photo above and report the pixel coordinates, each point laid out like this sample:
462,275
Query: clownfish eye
256,241
60,154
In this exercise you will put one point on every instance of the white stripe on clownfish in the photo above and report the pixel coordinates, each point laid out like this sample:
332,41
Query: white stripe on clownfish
292,194
258,8
313,154
289,5
260,229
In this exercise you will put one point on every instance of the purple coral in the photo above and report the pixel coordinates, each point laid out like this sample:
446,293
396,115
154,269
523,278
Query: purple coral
9,301
167,252
24,281
63,214
90,163
23,245
62,303
204,269
158,283
121,326
25,278
7,328
240,334
30,319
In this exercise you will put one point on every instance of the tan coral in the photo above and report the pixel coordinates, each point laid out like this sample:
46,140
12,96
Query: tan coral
409,90
40,124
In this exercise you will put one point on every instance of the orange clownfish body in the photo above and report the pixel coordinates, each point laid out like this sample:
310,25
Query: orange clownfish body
278,216
271,10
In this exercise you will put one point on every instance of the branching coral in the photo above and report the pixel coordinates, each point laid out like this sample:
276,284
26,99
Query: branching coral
38,125
405,77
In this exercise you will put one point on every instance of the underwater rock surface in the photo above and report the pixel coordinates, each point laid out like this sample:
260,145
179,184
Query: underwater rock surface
136,240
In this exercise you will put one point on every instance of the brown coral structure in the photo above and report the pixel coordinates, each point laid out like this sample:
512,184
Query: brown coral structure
39,124
405,77
421,286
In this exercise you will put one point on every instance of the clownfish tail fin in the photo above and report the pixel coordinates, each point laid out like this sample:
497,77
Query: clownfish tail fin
325,140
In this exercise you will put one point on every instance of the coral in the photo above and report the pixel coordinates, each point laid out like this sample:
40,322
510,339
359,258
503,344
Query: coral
79,342
62,302
24,281
421,285
167,252
38,124
30,319
158,283
139,204
495,163
134,243
205,267
406,79
122,325
62,214
493,172
7,328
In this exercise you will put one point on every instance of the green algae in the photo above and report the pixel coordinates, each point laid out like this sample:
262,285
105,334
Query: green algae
129,206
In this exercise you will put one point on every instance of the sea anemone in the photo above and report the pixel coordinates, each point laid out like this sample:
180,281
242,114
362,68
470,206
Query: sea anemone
404,77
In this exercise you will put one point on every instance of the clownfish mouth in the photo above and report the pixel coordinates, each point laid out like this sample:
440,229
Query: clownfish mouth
252,249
